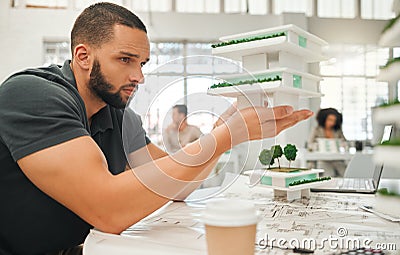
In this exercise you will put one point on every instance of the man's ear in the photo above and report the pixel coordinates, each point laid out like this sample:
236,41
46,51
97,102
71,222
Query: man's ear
82,56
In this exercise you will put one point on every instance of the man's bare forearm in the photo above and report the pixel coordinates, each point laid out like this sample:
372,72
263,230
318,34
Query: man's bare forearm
150,186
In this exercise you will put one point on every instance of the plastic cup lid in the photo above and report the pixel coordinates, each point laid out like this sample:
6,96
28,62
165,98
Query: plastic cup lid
230,213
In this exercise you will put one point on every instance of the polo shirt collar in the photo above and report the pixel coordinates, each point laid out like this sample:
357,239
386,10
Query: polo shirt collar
102,120
67,72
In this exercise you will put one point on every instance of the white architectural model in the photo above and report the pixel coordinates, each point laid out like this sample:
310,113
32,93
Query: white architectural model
281,57
275,63
293,185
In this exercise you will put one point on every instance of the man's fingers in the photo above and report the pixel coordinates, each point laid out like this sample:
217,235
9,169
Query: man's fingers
276,113
227,114
231,110
293,119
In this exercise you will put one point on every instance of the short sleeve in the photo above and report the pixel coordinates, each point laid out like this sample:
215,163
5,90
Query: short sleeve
133,135
36,114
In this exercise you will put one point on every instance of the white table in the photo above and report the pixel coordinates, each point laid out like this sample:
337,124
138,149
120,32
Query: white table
176,229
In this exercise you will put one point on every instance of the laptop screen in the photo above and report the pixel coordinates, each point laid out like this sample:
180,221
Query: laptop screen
387,132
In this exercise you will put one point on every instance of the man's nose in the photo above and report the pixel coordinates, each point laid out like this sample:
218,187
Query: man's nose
136,77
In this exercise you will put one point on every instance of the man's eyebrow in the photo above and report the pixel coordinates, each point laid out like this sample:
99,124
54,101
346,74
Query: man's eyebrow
130,54
133,55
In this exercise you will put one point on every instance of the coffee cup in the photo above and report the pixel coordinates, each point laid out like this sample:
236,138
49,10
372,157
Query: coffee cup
230,227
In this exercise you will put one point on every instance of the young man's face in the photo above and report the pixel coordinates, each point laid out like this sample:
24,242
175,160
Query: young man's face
177,117
117,67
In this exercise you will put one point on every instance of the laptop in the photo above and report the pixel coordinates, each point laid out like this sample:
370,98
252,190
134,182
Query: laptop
367,185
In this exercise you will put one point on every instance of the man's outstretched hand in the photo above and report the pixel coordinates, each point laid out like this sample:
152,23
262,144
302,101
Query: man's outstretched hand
256,123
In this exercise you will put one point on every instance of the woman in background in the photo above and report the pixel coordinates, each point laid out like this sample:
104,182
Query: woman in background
329,126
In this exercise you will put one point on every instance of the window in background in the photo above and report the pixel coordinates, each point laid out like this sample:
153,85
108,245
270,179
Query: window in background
332,90
141,5
377,9
212,6
370,9
235,6
198,6
398,90
56,52
299,6
190,6
82,4
258,7
170,63
57,4
396,52
166,52
199,64
375,58
336,8
354,108
349,85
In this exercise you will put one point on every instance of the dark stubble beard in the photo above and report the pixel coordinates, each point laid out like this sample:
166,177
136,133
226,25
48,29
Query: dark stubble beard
99,86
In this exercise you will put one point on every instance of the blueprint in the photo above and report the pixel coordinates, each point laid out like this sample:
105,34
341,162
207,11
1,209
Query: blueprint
307,222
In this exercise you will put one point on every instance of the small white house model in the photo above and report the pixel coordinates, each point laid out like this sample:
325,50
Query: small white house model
293,185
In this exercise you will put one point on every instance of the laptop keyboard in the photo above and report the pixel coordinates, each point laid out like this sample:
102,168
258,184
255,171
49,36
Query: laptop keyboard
355,183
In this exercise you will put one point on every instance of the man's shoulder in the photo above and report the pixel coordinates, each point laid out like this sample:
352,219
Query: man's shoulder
194,130
193,127
35,90
42,81
170,128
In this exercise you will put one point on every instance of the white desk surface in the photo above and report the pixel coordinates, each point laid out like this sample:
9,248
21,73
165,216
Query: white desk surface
176,228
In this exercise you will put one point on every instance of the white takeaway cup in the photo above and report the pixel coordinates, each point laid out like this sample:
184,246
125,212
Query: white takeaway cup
230,227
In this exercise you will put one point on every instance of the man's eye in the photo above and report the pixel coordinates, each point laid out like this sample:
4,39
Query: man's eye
125,60
142,64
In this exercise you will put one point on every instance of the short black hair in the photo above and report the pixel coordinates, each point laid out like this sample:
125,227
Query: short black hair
95,25
181,108
323,114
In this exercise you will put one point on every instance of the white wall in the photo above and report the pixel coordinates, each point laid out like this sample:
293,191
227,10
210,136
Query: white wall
23,30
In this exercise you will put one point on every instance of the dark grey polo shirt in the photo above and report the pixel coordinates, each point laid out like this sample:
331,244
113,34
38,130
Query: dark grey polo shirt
40,108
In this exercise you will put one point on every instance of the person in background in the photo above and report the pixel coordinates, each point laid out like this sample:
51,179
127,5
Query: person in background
329,126
179,133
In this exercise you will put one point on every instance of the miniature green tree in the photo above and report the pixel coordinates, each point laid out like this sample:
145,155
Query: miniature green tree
277,153
266,158
290,152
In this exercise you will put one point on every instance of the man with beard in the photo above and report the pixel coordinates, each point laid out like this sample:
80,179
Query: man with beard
62,159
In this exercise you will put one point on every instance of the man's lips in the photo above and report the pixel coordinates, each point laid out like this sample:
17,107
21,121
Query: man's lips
129,90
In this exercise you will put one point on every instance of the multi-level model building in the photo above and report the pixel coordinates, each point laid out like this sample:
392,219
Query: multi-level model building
274,65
